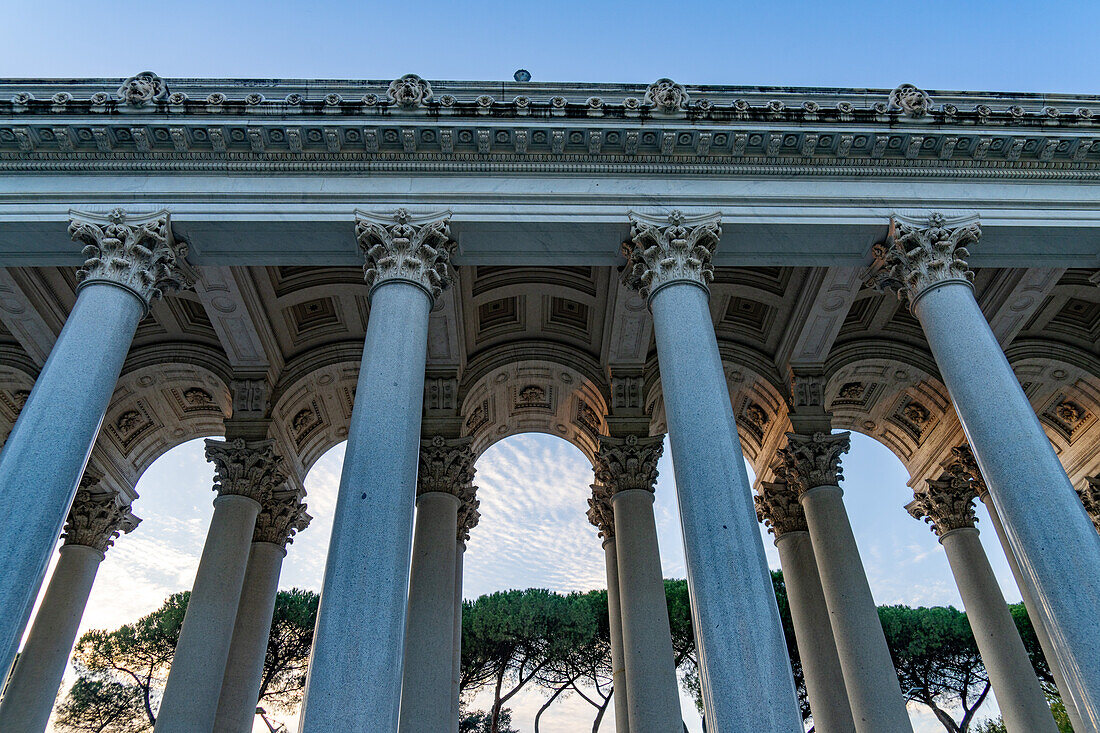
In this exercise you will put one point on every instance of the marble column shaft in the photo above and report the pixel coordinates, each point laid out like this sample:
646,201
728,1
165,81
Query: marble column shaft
1036,618
244,668
778,507
651,686
1023,706
744,668
456,653
429,642
354,682
615,624
1051,535
131,260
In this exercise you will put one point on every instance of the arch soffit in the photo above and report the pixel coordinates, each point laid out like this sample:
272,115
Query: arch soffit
312,405
550,390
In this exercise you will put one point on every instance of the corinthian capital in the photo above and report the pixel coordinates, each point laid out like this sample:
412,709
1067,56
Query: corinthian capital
922,253
600,512
245,468
946,503
97,518
133,251
1090,497
446,466
401,246
810,461
670,249
628,463
965,465
468,514
778,508
282,515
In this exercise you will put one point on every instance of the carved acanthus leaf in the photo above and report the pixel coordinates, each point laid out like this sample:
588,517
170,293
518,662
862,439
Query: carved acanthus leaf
810,461
778,508
401,246
468,514
245,468
282,515
946,503
136,252
669,249
97,518
921,253
446,466
964,464
600,511
1090,497
628,463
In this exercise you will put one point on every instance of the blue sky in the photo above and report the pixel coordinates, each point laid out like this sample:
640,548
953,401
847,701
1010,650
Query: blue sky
534,532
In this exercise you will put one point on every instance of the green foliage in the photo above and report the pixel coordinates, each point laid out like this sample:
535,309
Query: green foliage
479,722
937,661
128,666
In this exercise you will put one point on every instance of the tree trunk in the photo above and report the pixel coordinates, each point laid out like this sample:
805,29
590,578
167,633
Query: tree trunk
494,720
549,702
599,715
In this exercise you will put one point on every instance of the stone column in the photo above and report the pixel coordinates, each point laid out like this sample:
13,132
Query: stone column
627,467
354,682
282,516
963,458
947,504
1089,493
602,515
744,668
777,507
246,473
95,520
1043,518
812,468
130,261
446,475
468,518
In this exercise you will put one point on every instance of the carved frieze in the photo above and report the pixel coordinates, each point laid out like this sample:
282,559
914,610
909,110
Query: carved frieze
407,247
676,248
133,251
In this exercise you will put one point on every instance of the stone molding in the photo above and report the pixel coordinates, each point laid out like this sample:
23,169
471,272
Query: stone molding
809,461
946,503
407,247
97,518
778,508
922,253
133,251
245,468
624,464
601,513
674,248
282,516
1089,492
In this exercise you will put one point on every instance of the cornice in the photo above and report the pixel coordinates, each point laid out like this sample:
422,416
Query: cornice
344,126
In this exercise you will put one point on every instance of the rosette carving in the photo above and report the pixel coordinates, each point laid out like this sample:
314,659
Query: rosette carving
245,468
401,246
666,95
282,515
97,518
1090,497
135,252
946,503
778,508
600,511
142,89
809,461
922,253
666,250
628,463
410,91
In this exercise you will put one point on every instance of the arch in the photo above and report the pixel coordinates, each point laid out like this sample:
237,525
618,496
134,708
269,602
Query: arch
312,405
17,377
549,389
